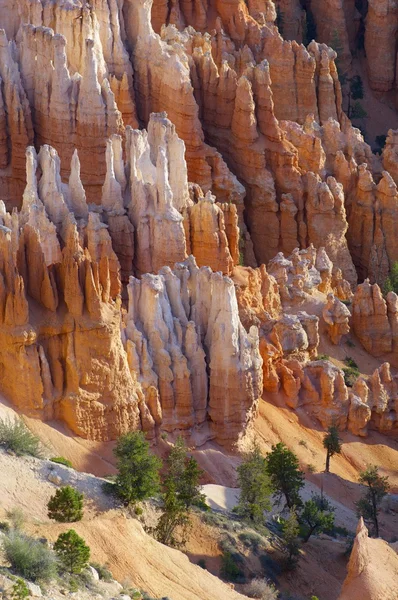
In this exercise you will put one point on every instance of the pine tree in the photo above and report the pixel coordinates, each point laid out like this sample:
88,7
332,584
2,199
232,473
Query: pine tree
138,469
72,552
286,477
317,516
184,473
66,506
332,443
255,486
181,490
377,487
174,515
290,532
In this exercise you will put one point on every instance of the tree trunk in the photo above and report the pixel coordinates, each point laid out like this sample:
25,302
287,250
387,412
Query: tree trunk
327,461
310,532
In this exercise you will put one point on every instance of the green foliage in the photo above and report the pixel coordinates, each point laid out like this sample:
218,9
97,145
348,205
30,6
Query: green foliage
174,516
377,487
184,473
286,477
357,111
16,437
350,343
251,540
391,283
332,444
356,88
5,527
28,557
60,460
350,362
138,468
255,486
316,516
72,551
103,572
261,589
290,532
181,491
323,357
66,506
229,570
16,516
351,372
19,590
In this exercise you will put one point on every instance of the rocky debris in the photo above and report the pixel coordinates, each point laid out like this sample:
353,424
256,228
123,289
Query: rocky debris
336,316
372,569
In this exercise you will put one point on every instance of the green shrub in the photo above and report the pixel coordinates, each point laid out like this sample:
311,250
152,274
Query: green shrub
103,572
261,589
138,468
4,526
350,362
138,510
271,568
66,506
16,517
60,460
351,372
28,557
73,585
323,357
251,540
391,283
350,376
72,551
229,569
15,436
19,590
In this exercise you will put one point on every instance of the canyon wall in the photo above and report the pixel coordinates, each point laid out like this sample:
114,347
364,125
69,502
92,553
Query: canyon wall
148,151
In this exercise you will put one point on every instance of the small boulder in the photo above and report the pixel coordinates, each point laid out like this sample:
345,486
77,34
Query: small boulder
34,590
54,478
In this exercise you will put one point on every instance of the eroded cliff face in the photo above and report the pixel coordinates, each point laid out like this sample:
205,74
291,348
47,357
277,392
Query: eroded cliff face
179,358
75,74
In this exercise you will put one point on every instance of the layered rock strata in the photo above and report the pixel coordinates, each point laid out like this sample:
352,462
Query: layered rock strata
102,67
182,360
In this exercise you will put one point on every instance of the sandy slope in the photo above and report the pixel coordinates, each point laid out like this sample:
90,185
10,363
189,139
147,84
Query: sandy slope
114,539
